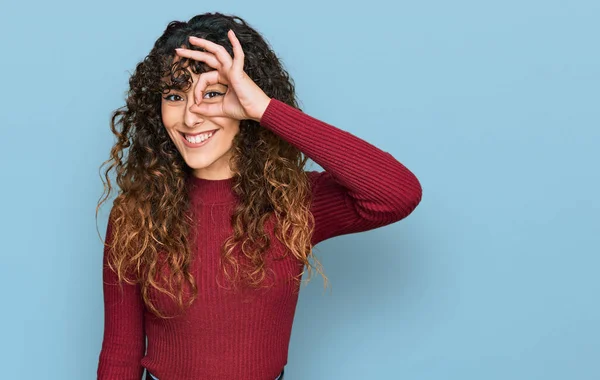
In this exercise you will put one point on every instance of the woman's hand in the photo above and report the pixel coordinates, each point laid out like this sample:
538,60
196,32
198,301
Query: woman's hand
244,99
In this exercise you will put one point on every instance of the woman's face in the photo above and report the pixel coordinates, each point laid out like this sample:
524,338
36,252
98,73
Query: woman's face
208,157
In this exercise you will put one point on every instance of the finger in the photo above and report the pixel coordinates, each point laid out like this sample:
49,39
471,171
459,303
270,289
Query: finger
238,52
218,50
208,58
208,109
204,80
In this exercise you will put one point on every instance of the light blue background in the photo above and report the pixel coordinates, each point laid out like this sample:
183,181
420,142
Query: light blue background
493,105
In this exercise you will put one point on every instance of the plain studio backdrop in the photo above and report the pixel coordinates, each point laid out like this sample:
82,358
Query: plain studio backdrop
493,105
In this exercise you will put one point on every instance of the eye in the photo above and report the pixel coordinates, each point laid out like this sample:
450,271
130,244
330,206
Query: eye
212,94
169,96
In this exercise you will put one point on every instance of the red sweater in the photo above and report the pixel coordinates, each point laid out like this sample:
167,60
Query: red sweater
226,335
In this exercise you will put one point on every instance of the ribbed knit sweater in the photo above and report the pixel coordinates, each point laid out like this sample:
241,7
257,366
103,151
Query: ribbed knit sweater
228,335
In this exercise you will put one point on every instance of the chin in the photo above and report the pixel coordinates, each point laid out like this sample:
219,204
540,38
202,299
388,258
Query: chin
198,164
216,166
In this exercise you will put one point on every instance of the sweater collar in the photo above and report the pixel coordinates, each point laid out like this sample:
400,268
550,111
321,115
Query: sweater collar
211,191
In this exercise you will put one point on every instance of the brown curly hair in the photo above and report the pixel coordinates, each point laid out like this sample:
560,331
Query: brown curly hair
152,214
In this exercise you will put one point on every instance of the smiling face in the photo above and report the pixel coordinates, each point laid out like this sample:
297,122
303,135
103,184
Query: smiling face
207,154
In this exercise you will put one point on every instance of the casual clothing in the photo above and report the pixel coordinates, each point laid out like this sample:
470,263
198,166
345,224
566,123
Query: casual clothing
228,335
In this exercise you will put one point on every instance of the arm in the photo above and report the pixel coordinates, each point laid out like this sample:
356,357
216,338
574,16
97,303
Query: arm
123,345
362,187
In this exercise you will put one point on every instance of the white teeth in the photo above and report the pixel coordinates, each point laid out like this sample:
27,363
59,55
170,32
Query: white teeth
198,138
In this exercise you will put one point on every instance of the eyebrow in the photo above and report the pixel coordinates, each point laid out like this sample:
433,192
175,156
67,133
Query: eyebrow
170,86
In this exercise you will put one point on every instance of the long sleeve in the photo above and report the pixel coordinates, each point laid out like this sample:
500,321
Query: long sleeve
123,345
362,187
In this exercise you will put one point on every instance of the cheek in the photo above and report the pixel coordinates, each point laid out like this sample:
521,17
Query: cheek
230,126
168,116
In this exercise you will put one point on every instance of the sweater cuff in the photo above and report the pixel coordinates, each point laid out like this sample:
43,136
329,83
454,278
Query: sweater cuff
276,110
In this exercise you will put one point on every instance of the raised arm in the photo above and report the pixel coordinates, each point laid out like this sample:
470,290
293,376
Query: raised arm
362,187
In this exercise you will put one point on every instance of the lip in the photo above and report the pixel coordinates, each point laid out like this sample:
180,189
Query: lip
192,145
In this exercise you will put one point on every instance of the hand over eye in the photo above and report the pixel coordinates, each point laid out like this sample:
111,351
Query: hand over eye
244,98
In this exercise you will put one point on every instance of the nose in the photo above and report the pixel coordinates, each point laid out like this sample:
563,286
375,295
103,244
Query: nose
191,118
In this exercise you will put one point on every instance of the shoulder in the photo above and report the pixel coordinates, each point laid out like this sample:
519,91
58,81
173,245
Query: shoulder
313,176
316,177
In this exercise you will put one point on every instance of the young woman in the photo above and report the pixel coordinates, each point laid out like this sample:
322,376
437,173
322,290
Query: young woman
216,218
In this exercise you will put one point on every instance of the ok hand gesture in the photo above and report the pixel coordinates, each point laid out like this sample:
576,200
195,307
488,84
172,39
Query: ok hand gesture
244,99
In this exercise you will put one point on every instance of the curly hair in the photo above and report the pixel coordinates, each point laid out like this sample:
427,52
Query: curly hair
152,213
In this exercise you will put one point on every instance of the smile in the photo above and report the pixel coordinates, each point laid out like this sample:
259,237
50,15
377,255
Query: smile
195,141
